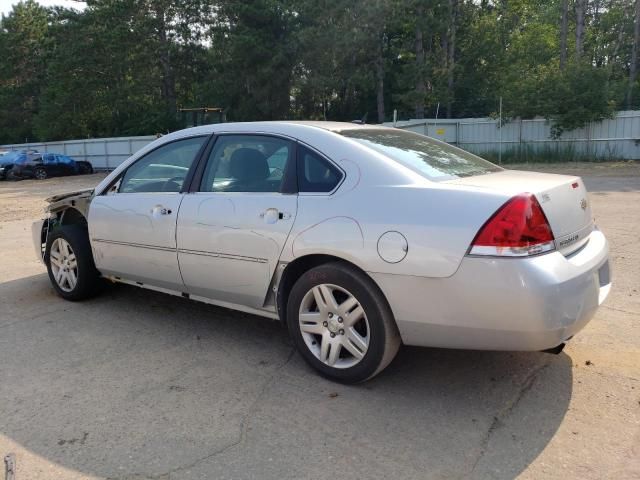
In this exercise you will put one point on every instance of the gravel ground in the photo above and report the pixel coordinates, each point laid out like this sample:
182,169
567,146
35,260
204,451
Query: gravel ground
25,199
138,385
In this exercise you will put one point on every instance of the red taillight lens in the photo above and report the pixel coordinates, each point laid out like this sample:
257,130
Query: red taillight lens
518,228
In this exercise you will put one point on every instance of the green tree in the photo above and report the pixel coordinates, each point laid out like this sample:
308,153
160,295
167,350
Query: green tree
123,67
23,44
252,58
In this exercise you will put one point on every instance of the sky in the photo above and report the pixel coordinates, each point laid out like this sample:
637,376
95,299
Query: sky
6,5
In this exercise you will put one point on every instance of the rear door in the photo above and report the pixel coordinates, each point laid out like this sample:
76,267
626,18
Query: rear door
232,229
66,165
133,224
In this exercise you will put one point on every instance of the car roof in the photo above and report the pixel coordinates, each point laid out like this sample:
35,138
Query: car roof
281,126
327,125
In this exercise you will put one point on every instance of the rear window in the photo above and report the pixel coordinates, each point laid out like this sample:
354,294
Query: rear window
431,158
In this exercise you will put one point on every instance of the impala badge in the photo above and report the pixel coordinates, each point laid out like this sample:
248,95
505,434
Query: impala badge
583,204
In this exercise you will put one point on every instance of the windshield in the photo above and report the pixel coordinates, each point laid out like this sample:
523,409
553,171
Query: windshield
431,158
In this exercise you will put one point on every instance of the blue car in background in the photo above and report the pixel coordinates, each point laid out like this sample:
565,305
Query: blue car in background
21,164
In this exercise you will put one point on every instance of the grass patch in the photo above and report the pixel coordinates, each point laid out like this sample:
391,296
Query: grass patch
558,153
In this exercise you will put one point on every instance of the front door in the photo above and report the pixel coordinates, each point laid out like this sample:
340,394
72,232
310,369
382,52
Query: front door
133,225
50,164
232,230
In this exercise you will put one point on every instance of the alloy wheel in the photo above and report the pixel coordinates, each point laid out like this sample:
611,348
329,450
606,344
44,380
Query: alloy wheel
64,264
334,326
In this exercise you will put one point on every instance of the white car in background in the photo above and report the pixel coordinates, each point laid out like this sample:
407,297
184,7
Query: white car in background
359,238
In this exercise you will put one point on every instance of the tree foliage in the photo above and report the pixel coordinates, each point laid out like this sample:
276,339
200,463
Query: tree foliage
123,67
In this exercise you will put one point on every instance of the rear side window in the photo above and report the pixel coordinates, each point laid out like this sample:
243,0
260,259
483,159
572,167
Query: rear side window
64,160
246,163
315,174
431,158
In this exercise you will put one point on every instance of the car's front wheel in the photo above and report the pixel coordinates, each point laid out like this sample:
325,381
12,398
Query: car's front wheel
70,263
40,174
341,323
12,175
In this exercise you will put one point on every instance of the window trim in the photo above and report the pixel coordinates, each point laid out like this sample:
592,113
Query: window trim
343,173
289,184
187,179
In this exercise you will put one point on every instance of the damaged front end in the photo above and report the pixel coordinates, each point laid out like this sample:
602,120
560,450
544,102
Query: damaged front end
62,209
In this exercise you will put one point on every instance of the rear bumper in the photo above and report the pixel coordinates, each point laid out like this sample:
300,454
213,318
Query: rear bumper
525,304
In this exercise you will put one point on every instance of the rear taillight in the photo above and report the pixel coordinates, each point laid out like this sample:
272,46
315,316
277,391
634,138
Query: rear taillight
519,228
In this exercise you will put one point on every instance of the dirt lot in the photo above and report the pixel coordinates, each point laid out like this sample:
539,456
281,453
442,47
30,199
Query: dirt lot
137,385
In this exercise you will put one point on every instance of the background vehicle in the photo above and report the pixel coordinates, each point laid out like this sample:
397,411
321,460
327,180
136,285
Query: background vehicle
32,164
357,237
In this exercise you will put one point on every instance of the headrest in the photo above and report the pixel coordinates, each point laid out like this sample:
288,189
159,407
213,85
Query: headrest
248,165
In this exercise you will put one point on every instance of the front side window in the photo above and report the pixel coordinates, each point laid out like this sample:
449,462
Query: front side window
164,169
315,174
49,159
246,163
431,158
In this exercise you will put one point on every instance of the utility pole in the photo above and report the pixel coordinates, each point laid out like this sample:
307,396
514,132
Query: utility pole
500,135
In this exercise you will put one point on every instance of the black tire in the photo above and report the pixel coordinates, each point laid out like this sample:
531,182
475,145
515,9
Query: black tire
384,338
40,174
85,169
11,175
88,278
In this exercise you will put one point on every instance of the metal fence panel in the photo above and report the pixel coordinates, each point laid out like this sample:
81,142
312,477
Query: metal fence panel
618,137
103,153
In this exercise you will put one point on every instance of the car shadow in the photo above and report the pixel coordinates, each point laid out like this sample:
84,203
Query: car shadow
137,384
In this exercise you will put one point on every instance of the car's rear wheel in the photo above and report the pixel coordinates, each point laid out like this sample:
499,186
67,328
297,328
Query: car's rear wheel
70,263
341,323
85,169
40,173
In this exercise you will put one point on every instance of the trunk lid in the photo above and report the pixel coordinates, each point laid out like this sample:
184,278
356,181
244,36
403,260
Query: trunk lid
563,199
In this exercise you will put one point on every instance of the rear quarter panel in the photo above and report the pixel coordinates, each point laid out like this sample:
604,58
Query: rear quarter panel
438,222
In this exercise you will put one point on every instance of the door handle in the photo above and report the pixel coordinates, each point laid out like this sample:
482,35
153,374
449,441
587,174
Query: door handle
160,210
272,215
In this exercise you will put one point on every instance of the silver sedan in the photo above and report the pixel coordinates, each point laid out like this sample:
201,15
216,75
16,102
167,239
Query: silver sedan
358,238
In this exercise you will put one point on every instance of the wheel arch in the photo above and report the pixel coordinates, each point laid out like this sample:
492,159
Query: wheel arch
65,216
298,267
71,216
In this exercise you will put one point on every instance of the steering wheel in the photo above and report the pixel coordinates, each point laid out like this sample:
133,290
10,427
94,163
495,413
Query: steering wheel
177,181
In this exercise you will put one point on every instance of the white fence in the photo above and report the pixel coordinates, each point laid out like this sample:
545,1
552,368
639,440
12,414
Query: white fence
103,153
615,138
618,137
